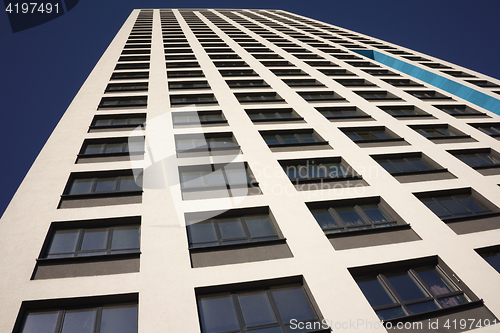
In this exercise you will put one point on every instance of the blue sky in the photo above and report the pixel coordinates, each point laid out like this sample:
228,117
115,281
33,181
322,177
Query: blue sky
42,69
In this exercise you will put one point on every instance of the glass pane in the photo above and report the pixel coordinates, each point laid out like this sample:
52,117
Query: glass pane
380,135
391,313
64,241
119,121
95,239
494,261
388,166
136,121
102,122
292,171
467,201
80,186
129,183
106,184
191,178
114,148
349,216
374,213
231,228
259,226
213,117
403,165
436,282
453,206
202,233
217,314
256,309
276,329
271,139
405,286
334,170
119,319
40,322
292,304
452,301
237,175
221,142
215,178
134,146
422,307
93,148
436,208
80,321
307,137
289,138
375,293
325,219
126,237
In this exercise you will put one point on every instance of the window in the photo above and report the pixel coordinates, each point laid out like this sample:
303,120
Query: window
454,205
414,58
320,96
291,138
177,50
303,83
94,241
458,74
267,56
402,83
117,102
134,58
424,94
379,72
233,72
406,163
370,134
275,63
247,83
354,82
346,56
180,57
336,72
231,229
111,318
492,256
129,75
288,72
184,64
317,170
377,95
342,112
188,85
268,115
205,142
347,216
103,183
213,175
275,308
230,64
259,97
200,117
118,121
436,132
118,87
192,99
141,65
459,110
435,65
224,56
417,286
362,64
492,129
478,158
404,111
182,74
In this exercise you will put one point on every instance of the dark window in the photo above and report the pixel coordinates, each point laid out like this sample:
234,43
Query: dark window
415,58
258,97
458,74
110,318
224,56
397,293
435,65
492,257
258,115
180,57
438,131
213,175
321,64
402,83
129,75
274,138
271,309
427,94
185,64
134,58
206,141
275,63
288,72
116,121
230,64
246,83
106,182
177,51
234,229
404,111
267,56
346,56
354,82
482,158
362,64
377,95
492,129
317,170
112,146
201,117
405,163
320,96
336,72
455,205
182,74
342,112
380,72
369,134
116,102
188,85
242,72
95,241
141,65
303,83
192,99
459,110
349,216
135,86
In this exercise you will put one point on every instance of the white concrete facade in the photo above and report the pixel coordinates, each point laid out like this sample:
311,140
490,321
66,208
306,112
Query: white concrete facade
166,283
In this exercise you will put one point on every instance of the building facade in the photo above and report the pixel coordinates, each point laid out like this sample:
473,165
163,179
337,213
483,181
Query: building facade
260,171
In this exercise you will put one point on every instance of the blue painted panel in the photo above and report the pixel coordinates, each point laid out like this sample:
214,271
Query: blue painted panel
476,97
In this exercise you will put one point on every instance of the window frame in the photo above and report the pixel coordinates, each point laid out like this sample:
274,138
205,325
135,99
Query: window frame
347,171
318,139
391,137
125,149
115,117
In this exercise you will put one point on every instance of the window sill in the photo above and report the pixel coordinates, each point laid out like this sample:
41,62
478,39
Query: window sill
100,195
321,179
460,115
412,115
482,167
319,143
366,231
420,172
212,248
324,100
379,140
449,137
277,120
470,217
349,117
102,257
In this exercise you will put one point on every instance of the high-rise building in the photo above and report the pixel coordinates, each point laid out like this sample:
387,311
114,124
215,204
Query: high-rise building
259,171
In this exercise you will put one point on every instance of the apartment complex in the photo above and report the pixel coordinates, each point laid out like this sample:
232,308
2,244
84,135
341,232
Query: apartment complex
259,171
